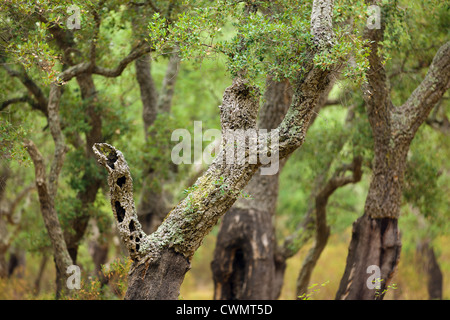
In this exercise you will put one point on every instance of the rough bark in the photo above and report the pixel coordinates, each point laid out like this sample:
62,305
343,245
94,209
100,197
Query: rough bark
375,236
244,257
37,282
158,281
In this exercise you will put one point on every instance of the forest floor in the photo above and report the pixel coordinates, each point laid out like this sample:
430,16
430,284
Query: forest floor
198,284
410,282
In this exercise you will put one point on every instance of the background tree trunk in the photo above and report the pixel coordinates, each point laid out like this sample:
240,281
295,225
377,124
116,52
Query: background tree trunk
375,236
61,254
91,184
322,231
47,188
152,207
430,266
245,247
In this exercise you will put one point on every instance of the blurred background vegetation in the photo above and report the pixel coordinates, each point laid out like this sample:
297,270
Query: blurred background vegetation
197,95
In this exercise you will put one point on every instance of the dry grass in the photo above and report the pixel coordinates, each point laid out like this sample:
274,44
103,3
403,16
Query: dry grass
330,268
198,284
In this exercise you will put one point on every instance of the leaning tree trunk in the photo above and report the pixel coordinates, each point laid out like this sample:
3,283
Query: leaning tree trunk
375,236
161,259
47,188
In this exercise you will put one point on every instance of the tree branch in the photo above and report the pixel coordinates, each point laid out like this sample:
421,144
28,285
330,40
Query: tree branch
25,98
436,82
58,138
122,202
62,258
166,94
34,89
140,50
86,67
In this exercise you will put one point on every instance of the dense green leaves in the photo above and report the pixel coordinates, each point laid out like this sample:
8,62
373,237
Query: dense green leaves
274,40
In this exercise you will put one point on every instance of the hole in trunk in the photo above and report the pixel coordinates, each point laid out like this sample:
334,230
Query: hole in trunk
121,181
112,158
131,226
238,274
120,212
